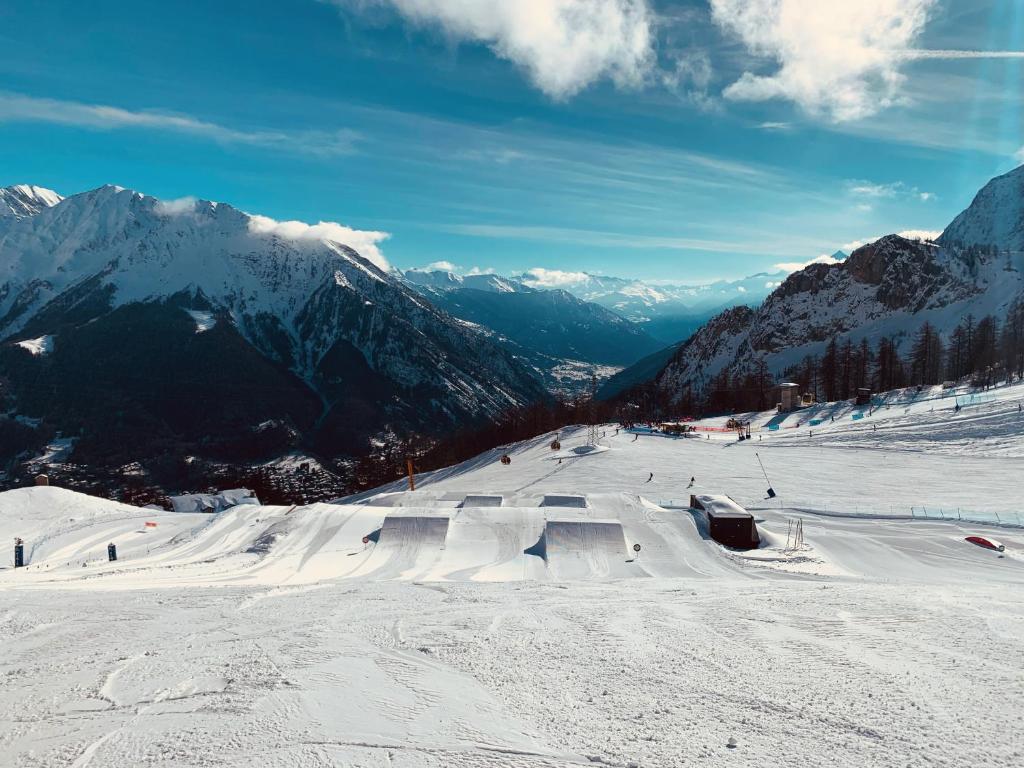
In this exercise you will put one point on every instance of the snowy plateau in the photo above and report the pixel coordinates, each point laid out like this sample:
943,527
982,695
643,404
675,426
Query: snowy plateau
500,615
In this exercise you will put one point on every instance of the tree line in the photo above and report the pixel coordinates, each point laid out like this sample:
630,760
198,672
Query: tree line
982,350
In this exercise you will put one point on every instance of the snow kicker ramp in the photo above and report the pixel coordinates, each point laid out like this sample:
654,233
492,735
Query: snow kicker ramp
587,549
407,547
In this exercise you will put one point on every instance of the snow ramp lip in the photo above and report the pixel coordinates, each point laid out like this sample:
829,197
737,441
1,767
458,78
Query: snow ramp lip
572,501
402,530
475,501
580,537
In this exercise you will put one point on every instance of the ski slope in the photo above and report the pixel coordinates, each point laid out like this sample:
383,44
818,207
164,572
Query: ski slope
501,615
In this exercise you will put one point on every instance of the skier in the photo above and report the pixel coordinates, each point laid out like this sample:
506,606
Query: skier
651,477
692,481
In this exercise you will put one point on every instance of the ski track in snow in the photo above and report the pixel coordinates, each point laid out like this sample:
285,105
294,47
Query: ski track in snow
272,636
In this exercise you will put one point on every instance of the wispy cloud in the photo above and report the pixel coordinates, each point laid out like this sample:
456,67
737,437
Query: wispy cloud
916,55
756,246
796,266
563,45
16,107
896,189
774,126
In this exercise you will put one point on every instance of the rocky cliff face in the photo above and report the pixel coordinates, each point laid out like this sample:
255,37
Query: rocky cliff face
887,288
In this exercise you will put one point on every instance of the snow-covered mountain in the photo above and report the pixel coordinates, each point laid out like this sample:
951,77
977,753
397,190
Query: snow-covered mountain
441,280
22,200
887,288
994,218
198,307
552,330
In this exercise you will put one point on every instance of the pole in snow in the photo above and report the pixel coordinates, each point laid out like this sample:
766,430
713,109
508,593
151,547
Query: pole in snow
412,477
771,491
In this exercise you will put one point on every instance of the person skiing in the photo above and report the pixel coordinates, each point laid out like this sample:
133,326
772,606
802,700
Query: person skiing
692,481
651,477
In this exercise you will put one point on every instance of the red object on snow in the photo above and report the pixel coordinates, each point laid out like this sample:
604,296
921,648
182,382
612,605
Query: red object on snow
981,541
150,524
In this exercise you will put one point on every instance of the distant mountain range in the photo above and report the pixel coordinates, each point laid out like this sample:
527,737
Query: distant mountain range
887,288
669,313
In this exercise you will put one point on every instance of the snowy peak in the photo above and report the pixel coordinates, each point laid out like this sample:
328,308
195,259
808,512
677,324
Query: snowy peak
442,280
24,200
995,217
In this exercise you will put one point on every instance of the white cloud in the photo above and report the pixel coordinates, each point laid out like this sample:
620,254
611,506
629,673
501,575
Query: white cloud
443,266
774,126
539,277
18,108
479,271
691,79
177,207
910,234
1019,155
563,45
837,58
920,234
796,266
365,243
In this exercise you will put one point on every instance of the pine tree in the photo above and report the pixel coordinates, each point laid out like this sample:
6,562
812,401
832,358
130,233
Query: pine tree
926,356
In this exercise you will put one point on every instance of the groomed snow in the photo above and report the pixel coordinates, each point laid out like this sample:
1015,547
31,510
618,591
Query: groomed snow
464,633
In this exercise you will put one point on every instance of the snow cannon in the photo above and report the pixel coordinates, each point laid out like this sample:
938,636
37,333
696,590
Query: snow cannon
987,543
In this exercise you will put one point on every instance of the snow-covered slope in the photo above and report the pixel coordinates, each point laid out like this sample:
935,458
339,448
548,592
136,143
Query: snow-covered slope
448,636
887,288
994,218
23,200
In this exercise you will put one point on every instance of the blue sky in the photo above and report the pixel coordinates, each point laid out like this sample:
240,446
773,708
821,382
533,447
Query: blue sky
672,141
